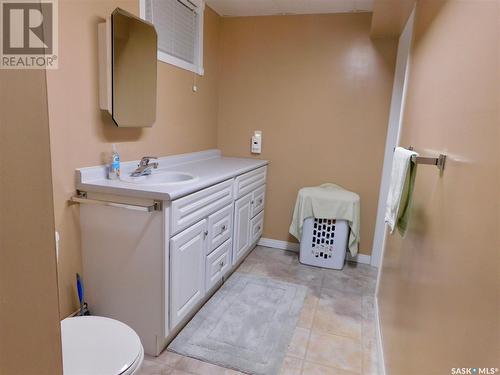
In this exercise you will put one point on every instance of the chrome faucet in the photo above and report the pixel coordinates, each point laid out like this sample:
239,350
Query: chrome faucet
144,168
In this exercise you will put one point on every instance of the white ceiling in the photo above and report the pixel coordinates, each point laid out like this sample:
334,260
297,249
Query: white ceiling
231,8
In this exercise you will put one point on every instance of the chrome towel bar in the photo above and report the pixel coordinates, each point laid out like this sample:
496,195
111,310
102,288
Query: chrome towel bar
81,197
439,162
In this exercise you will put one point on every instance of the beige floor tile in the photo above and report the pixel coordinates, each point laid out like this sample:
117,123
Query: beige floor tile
199,367
353,268
232,372
342,302
370,361
369,334
298,344
335,351
265,255
313,293
291,366
168,358
368,307
150,367
277,271
310,303
246,266
327,321
339,313
305,275
306,317
358,284
316,369
180,372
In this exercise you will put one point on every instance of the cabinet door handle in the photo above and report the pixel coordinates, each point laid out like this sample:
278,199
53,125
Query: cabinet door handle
205,234
221,264
260,201
223,228
252,201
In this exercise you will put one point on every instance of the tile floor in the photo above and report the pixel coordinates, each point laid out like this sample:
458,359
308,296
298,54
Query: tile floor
335,334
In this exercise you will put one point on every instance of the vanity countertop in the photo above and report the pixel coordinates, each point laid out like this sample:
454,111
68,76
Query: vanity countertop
208,167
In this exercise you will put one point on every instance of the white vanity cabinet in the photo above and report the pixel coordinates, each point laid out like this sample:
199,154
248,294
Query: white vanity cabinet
211,234
154,269
199,257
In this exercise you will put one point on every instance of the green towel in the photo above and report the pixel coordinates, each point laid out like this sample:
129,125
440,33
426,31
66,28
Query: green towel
404,211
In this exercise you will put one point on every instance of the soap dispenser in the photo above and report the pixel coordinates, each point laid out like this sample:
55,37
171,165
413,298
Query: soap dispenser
114,167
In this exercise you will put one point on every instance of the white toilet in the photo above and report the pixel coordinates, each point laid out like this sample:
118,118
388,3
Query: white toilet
94,345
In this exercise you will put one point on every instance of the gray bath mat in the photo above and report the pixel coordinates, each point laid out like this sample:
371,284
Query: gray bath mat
246,326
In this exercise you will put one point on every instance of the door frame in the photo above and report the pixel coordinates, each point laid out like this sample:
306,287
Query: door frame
396,115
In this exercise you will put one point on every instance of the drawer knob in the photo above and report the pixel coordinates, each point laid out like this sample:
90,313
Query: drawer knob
223,228
205,233
221,264
258,228
252,201
260,201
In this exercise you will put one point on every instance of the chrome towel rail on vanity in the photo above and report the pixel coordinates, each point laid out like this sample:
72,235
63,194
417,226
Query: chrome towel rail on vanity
81,197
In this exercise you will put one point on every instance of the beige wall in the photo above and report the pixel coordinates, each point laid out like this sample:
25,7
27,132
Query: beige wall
29,315
440,293
319,88
389,17
81,134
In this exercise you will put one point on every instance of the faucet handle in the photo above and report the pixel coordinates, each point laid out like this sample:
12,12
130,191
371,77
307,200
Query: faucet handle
146,159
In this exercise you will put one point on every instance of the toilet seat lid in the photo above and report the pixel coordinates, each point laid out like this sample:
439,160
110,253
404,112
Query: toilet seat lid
98,345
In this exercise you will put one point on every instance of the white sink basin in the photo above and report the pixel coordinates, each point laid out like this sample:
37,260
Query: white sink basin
159,178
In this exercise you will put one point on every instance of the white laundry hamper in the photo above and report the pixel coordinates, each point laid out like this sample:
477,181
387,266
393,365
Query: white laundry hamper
324,242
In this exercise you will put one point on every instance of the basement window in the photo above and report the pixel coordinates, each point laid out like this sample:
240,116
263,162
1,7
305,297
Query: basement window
179,24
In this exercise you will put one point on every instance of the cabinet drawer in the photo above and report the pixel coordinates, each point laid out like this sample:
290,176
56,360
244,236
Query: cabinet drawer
256,227
258,200
218,263
194,207
220,227
247,182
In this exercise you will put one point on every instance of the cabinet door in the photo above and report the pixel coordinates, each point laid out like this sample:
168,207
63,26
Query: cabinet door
187,270
242,216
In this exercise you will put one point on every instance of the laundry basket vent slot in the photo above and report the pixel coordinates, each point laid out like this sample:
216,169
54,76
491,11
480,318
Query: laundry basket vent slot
324,242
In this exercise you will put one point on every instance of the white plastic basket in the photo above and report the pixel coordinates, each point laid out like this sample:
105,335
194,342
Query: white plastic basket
324,242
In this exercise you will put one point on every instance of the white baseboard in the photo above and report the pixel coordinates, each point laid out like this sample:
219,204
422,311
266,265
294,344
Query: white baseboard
360,258
380,348
291,246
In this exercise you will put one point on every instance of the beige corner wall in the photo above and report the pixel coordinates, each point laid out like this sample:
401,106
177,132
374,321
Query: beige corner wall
319,88
81,134
389,17
439,295
29,314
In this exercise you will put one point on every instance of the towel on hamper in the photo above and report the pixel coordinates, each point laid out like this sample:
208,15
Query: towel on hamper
399,199
328,201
